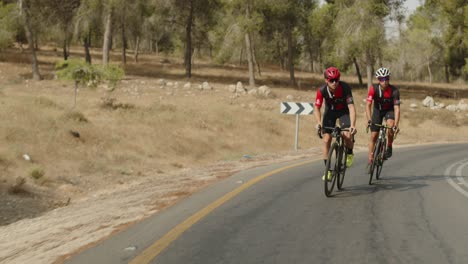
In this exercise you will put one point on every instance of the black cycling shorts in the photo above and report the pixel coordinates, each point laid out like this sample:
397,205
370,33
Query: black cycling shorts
378,116
330,117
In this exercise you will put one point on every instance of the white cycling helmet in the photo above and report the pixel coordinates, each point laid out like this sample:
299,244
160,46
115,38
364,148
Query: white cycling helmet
382,72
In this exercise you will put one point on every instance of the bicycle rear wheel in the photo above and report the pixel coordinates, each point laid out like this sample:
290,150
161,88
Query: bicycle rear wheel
332,162
375,162
381,159
342,171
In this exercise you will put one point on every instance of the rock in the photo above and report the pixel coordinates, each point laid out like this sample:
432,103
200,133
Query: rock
413,105
462,106
75,133
162,82
290,98
26,157
264,91
206,86
240,88
452,108
232,88
188,85
253,92
428,102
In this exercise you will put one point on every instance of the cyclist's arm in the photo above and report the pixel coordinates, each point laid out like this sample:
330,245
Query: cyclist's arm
396,109
370,98
352,114
396,106
317,106
318,115
368,110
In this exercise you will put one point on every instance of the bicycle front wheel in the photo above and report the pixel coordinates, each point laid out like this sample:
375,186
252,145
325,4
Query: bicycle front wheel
342,161
381,159
375,162
329,183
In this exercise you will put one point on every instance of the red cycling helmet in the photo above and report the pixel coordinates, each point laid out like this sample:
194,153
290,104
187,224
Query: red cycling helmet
331,73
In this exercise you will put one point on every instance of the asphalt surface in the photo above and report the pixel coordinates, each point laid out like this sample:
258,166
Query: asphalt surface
416,213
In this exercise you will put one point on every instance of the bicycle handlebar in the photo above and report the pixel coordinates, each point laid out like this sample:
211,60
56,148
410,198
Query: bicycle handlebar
335,130
382,126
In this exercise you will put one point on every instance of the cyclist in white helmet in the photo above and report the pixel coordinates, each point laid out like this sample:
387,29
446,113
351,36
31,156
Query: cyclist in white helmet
386,98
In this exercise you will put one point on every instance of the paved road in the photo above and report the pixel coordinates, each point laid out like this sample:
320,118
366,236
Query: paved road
416,213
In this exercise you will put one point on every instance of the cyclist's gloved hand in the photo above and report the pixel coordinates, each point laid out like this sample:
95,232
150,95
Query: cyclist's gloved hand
395,129
369,123
352,130
318,127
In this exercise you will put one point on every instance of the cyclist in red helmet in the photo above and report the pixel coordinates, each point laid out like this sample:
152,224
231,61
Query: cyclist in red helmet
386,98
339,104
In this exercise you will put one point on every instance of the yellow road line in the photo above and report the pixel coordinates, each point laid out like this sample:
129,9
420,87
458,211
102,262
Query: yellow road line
155,249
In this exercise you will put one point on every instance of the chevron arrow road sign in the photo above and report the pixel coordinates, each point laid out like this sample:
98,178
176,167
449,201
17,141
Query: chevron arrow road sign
292,108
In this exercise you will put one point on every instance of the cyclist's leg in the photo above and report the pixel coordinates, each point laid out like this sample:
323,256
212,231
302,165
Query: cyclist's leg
345,122
377,118
329,120
390,117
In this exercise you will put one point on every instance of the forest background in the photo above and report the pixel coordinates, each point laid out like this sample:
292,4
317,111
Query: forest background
430,44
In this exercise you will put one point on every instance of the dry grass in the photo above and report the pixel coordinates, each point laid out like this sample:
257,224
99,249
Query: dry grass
140,129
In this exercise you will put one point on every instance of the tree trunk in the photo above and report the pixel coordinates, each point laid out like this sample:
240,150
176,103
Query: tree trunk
429,71
358,72
124,45
188,42
87,43
447,74
254,56
107,38
280,54
36,42
241,55
137,49
292,79
211,51
369,69
124,37
65,53
310,49
250,61
31,42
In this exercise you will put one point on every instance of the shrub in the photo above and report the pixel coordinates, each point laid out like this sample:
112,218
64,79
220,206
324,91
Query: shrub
87,74
7,25
113,74
111,103
37,173
76,116
78,71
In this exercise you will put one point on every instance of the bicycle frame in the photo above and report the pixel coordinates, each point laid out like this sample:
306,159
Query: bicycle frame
337,152
379,150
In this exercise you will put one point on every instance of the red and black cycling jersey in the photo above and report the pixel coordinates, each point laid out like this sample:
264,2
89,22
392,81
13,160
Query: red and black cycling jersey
337,100
384,99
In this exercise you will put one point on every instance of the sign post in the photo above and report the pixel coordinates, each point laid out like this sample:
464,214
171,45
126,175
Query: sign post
291,108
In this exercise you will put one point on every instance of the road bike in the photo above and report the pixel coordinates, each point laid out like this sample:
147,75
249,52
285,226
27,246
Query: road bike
336,163
380,148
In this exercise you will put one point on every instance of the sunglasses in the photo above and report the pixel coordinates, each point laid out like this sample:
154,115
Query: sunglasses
383,79
333,80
